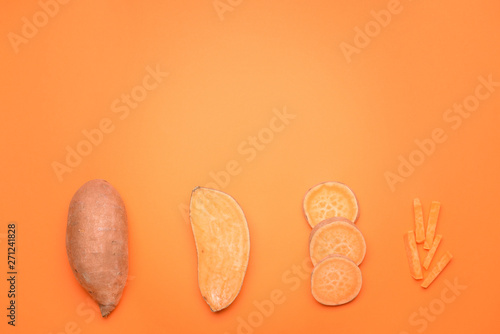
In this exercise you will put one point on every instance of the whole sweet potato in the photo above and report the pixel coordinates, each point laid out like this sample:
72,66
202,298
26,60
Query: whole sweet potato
97,242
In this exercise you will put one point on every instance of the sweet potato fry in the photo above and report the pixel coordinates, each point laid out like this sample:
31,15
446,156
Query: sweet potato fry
432,251
419,221
437,269
431,224
412,255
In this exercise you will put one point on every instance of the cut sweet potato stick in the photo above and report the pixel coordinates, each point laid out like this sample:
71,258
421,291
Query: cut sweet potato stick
412,255
431,224
437,269
419,221
336,236
432,251
335,280
330,199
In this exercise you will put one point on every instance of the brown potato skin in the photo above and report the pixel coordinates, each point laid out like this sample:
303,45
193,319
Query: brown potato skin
97,242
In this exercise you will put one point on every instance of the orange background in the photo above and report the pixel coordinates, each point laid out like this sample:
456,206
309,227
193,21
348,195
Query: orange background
352,121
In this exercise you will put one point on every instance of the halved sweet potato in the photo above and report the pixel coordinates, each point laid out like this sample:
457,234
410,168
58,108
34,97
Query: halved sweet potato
335,280
330,199
223,245
337,236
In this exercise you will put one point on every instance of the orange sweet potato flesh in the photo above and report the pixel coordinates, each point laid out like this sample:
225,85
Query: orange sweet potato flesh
431,224
330,199
223,245
419,221
432,251
97,242
335,280
437,269
412,255
336,236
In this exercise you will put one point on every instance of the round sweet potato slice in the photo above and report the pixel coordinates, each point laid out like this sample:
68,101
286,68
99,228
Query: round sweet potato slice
330,199
337,236
336,280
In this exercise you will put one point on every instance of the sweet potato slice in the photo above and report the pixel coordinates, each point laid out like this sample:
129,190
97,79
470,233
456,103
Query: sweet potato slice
335,280
330,199
223,245
431,224
412,255
432,251
437,269
419,221
336,236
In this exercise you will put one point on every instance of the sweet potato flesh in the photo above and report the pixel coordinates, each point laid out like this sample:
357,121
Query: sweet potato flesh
437,269
432,251
330,199
222,243
336,280
337,236
431,224
412,255
419,221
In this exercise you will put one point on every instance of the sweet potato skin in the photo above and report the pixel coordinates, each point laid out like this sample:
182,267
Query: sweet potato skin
97,242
